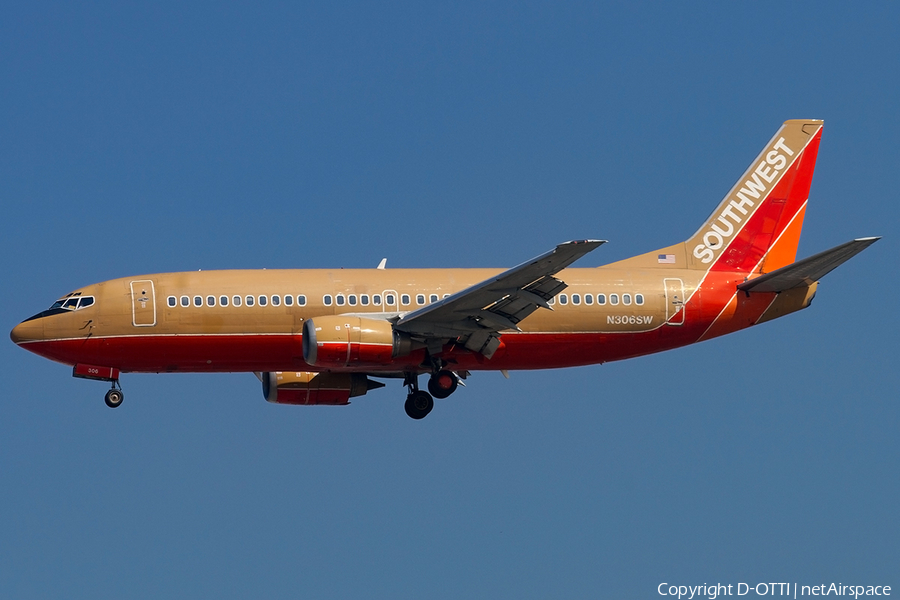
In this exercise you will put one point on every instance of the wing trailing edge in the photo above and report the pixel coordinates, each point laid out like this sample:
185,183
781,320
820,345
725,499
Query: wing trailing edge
809,270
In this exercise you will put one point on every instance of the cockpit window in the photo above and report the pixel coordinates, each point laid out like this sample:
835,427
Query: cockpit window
71,302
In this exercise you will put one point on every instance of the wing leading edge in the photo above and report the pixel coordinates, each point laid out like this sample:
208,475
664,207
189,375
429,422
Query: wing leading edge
476,315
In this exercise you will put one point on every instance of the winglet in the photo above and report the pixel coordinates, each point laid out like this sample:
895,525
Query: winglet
382,264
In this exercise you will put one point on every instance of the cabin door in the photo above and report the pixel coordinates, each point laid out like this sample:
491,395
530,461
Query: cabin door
143,303
674,301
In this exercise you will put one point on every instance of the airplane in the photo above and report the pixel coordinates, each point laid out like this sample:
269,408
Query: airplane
321,337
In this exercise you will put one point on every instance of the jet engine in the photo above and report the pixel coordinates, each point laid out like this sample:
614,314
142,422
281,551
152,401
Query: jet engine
344,340
315,388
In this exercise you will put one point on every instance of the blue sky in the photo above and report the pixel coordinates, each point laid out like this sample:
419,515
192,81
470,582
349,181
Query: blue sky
143,139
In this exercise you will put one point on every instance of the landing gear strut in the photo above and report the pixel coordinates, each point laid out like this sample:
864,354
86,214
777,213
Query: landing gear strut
418,403
114,396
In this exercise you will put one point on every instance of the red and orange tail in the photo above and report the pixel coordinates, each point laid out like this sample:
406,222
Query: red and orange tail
756,228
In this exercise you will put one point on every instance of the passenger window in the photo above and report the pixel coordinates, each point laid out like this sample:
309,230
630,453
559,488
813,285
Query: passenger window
376,299
390,300
276,300
601,298
588,299
236,300
223,300
446,295
171,300
86,301
327,300
364,299
185,301
351,299
250,300
420,299
638,298
404,299
563,299
301,300
263,300
198,301
626,298
210,300
340,300
613,298
576,299
552,301
434,297
288,300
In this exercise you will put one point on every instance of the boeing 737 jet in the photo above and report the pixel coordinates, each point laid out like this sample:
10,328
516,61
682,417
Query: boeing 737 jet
327,335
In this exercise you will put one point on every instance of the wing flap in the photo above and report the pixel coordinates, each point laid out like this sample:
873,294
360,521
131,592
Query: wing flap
809,270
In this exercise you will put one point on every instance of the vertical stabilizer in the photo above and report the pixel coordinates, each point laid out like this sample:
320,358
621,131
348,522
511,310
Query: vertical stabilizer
756,228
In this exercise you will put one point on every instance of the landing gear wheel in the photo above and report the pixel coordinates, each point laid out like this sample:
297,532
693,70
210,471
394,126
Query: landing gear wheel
114,398
419,404
442,384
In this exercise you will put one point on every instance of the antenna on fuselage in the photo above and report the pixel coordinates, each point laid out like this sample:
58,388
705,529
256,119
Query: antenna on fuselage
382,264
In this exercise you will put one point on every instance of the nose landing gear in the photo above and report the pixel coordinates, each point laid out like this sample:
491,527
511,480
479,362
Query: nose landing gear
114,396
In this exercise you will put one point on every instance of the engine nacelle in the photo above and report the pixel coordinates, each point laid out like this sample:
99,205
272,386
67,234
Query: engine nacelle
315,388
344,340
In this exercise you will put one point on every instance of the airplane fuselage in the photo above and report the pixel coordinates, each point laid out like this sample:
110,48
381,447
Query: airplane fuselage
222,321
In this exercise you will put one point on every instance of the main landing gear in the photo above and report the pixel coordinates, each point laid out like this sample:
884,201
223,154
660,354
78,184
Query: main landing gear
115,395
419,403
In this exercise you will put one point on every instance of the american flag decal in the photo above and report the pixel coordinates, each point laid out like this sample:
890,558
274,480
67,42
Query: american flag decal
666,259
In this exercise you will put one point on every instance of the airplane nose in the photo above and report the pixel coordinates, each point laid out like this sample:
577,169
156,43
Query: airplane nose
27,331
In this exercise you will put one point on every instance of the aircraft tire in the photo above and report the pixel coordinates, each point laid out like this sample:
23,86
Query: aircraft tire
442,384
419,404
114,398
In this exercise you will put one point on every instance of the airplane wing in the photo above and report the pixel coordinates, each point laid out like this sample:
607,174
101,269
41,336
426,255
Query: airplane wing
476,315
806,271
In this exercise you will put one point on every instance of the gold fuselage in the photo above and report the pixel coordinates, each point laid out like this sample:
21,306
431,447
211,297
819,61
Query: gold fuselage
620,312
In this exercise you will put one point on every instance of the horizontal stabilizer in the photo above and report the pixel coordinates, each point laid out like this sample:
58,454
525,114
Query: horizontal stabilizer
809,270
